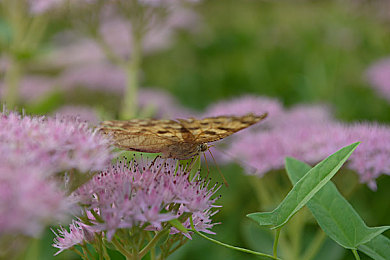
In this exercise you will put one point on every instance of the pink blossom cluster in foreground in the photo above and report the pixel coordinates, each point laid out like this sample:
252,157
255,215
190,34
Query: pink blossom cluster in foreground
308,133
33,150
141,194
379,77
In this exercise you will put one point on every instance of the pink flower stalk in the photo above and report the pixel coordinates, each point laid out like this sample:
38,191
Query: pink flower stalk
116,32
55,144
147,194
379,76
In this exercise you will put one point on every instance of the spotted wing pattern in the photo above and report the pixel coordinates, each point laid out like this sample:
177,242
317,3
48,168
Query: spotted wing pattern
211,129
175,139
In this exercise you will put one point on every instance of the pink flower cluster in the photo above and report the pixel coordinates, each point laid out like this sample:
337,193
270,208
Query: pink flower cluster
379,76
33,150
41,6
144,194
308,133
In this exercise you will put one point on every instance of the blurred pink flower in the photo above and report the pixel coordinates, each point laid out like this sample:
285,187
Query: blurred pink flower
28,201
160,104
116,32
33,150
87,114
41,6
33,87
308,133
312,142
244,105
379,76
139,192
99,76
52,144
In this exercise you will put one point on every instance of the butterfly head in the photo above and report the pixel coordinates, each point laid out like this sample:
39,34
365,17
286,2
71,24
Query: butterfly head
203,147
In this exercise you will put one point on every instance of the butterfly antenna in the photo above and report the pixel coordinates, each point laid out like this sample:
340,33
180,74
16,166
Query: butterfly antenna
219,171
153,162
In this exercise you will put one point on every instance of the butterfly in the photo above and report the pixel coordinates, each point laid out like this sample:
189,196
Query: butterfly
178,139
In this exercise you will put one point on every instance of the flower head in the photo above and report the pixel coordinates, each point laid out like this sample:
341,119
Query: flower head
28,201
311,134
379,76
55,144
33,150
78,234
146,194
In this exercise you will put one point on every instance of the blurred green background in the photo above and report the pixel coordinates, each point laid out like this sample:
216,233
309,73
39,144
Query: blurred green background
296,51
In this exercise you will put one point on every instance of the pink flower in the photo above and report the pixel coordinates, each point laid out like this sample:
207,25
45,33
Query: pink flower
379,76
41,6
139,193
78,234
28,201
33,150
86,114
308,133
33,87
96,77
244,105
53,143
157,103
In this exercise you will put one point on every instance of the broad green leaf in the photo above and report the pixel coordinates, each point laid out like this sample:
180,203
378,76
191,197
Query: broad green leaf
337,217
378,248
304,189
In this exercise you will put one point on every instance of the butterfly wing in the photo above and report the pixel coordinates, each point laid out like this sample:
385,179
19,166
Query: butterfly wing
146,135
211,129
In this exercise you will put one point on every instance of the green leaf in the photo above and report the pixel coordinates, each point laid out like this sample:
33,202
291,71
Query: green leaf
378,248
338,218
304,189
178,225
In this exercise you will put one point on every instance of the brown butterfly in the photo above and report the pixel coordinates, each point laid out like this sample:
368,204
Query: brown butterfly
181,139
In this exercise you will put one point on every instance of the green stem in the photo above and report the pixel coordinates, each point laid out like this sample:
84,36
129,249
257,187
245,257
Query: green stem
355,254
275,247
86,252
314,246
229,246
79,253
121,249
153,250
152,242
130,106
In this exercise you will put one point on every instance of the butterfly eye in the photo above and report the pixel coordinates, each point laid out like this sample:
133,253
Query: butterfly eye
203,147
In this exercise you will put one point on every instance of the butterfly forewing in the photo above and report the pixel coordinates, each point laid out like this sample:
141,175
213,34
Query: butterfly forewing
211,129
